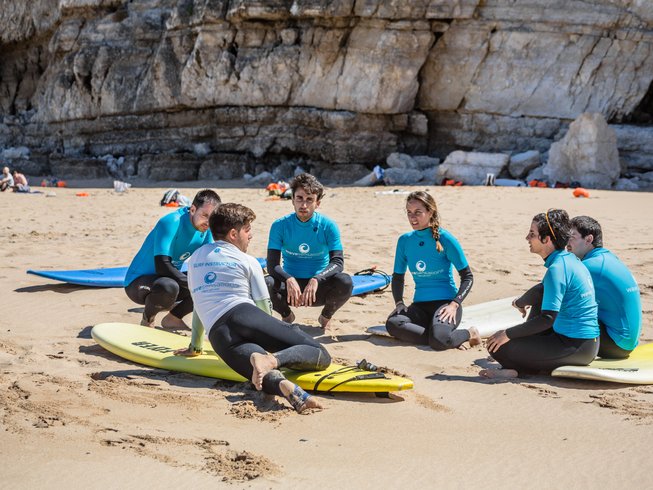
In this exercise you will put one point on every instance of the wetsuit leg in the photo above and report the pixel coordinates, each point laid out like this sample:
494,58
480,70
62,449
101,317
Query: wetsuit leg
155,292
608,348
333,293
185,305
413,325
546,352
278,296
443,336
245,329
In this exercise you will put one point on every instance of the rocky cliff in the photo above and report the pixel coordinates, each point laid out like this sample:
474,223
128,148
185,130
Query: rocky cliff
190,89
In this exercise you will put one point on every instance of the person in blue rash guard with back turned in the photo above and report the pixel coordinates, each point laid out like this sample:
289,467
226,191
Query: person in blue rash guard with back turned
562,326
617,292
154,278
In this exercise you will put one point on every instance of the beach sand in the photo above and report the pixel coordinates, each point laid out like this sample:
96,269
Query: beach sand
74,415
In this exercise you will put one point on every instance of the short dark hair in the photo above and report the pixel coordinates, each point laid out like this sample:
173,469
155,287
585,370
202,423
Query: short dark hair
588,226
229,216
309,183
555,224
205,196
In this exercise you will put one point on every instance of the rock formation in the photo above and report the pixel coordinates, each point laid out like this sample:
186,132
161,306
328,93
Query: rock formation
320,83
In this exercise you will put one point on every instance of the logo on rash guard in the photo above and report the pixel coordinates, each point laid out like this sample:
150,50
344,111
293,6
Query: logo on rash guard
185,256
304,248
210,277
420,265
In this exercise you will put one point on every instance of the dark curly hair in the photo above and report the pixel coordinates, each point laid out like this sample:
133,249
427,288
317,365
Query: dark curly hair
229,216
554,223
588,226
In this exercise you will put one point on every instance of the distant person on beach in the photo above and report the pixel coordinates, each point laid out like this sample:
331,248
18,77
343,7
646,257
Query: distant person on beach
430,253
7,181
617,292
232,300
154,278
312,270
562,327
20,182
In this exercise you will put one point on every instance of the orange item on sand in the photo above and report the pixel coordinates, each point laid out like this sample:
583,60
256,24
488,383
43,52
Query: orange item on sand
580,192
82,194
172,204
61,183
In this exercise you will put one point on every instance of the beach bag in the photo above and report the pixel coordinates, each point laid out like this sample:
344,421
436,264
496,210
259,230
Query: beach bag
170,196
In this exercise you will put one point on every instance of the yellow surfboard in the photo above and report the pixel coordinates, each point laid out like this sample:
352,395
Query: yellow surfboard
637,369
153,347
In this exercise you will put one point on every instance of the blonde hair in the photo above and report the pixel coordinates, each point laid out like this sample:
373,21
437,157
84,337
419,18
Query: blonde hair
434,223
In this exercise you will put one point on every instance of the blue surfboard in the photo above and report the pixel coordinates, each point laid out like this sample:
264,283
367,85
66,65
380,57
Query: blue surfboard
114,277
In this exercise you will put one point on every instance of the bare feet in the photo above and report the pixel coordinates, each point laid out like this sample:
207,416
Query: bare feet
171,321
498,373
289,319
147,322
474,337
262,364
298,398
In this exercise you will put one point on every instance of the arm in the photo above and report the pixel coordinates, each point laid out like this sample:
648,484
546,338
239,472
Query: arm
196,339
274,266
397,287
336,265
258,288
466,282
163,266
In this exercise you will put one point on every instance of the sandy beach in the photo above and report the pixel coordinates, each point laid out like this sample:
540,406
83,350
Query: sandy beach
74,415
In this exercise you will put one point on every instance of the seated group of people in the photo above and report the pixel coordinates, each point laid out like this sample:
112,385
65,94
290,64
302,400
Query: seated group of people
13,180
232,300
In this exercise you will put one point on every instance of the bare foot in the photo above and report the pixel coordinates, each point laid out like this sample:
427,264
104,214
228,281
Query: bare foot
298,398
171,321
262,364
324,322
498,373
474,337
288,319
147,322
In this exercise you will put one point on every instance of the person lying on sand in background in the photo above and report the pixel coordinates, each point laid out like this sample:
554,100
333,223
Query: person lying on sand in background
430,253
232,300
562,327
617,292
154,278
313,260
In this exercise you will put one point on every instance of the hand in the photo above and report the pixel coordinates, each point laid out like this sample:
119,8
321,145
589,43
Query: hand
294,292
522,309
399,308
187,352
310,292
448,313
497,340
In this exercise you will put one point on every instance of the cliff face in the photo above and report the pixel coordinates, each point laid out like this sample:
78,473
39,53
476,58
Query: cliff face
320,83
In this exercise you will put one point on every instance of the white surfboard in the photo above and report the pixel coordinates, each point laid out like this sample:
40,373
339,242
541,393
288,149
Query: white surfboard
488,318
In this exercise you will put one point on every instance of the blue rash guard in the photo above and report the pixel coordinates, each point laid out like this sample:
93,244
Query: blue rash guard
305,246
175,236
617,293
431,271
568,289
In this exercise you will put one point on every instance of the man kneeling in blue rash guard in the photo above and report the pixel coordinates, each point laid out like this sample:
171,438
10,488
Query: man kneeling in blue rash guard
617,292
154,278
231,299
562,327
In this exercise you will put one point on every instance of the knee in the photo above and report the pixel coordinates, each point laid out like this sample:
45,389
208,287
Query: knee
441,339
343,284
168,286
394,324
324,360
269,282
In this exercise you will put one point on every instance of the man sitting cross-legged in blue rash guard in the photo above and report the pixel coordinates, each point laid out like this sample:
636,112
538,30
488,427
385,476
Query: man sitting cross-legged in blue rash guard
617,292
232,301
311,274
154,278
430,253
562,327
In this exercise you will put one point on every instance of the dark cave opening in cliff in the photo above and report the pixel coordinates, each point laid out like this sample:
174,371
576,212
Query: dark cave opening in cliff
643,113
